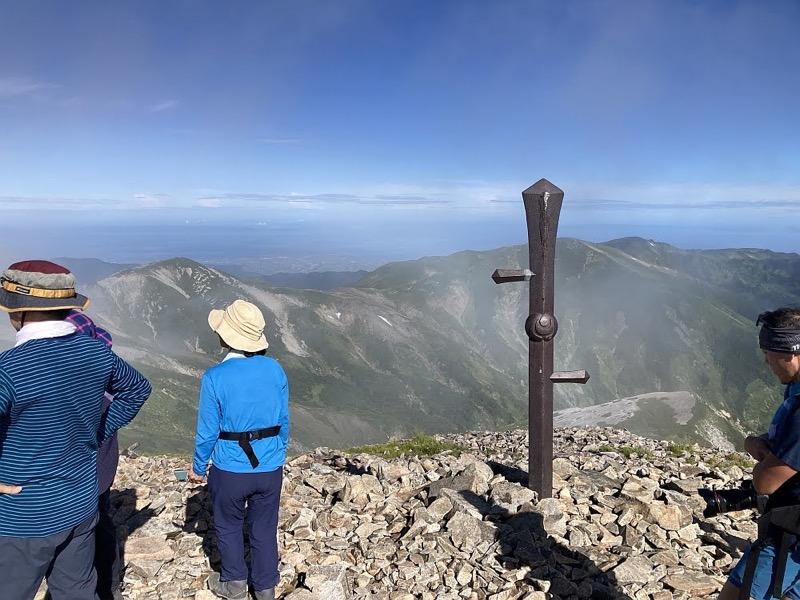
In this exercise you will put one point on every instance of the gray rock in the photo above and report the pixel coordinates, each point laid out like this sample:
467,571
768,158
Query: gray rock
448,527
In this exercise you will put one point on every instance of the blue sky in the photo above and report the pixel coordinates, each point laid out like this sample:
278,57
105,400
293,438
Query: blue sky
393,129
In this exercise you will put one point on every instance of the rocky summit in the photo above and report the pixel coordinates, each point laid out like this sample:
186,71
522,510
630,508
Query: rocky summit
625,521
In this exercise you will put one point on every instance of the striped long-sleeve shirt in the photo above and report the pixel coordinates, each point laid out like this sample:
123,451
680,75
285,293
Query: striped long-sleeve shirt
51,392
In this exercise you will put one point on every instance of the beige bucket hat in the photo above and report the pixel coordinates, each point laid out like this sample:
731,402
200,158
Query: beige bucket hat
240,325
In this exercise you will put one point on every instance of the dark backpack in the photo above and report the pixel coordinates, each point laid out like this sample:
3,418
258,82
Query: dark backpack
779,524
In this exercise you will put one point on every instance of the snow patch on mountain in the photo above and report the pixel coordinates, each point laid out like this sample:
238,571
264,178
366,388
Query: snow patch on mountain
715,437
162,361
277,304
130,283
167,277
617,411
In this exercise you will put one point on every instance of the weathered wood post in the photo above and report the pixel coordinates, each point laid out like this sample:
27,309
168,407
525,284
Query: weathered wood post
542,209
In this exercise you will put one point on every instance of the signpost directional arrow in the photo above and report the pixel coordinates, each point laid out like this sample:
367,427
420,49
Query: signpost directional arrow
507,275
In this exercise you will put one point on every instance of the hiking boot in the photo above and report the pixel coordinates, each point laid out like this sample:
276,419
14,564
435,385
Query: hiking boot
230,590
268,594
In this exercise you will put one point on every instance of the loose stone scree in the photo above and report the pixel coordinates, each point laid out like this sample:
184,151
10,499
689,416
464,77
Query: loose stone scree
542,208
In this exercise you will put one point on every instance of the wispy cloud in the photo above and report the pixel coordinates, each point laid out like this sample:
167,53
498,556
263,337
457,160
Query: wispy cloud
480,198
164,105
279,140
602,204
37,202
22,86
210,203
55,204
683,197
329,198
147,200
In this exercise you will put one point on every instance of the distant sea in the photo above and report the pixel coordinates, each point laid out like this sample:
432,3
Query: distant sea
351,244
367,246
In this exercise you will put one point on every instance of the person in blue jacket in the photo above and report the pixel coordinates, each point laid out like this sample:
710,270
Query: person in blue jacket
243,428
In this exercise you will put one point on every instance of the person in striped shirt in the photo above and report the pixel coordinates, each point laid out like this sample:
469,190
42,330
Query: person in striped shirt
52,384
107,557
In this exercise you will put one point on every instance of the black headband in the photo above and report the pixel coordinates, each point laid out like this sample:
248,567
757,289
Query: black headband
779,339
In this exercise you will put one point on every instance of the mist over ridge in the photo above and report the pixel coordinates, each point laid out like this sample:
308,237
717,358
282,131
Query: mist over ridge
668,336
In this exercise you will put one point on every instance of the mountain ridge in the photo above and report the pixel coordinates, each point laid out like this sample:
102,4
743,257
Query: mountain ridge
433,344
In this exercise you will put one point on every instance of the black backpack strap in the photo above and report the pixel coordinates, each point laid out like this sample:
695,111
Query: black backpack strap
750,570
786,539
245,437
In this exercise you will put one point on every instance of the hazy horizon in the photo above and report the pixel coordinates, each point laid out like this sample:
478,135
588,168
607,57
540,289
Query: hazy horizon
362,244
234,245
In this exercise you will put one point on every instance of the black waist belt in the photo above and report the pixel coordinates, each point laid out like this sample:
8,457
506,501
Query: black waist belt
245,437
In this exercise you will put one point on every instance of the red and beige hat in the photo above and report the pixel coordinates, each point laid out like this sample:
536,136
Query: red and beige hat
39,285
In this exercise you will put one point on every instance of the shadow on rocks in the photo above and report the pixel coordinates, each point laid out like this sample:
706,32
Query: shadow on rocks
199,521
349,466
520,530
513,474
127,517
521,540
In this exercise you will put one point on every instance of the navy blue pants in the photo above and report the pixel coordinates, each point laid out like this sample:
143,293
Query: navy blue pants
65,559
260,495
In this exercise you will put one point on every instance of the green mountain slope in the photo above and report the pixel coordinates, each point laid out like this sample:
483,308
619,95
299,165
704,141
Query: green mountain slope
639,316
435,345
359,369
